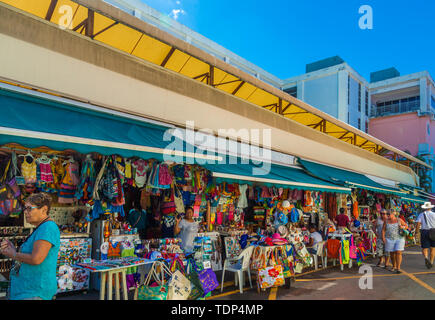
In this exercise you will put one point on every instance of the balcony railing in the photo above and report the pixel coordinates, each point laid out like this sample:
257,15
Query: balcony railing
395,108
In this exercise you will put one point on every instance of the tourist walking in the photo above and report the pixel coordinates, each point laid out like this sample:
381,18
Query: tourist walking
384,256
393,239
425,222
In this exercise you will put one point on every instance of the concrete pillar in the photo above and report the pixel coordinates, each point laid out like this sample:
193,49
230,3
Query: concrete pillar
424,107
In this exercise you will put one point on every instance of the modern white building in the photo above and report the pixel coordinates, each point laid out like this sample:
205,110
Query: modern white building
335,88
392,93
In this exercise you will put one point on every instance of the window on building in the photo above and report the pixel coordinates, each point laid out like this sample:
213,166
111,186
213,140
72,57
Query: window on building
367,127
367,103
359,97
359,124
293,91
348,90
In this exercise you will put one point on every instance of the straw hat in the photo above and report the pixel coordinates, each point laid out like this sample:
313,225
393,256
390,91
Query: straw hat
427,205
285,204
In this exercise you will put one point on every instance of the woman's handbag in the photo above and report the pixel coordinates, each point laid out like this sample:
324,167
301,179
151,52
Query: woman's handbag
159,292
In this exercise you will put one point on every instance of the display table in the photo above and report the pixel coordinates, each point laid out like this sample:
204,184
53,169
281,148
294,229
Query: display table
110,268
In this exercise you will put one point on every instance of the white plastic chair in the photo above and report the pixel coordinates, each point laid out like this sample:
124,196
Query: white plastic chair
239,265
321,249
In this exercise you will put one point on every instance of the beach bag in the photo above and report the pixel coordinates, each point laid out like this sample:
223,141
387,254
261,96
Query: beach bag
353,250
271,276
257,258
207,278
196,291
179,287
284,261
159,292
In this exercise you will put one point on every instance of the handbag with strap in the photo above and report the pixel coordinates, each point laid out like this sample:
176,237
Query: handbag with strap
159,292
431,230
272,276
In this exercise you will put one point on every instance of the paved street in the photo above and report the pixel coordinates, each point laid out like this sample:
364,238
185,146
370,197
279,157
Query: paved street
416,282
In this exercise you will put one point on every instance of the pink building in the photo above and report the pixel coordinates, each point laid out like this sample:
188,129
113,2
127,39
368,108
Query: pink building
407,132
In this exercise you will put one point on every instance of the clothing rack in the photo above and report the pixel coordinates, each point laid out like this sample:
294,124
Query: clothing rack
33,152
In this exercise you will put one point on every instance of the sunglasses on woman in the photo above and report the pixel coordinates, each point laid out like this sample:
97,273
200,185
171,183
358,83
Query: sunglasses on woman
29,208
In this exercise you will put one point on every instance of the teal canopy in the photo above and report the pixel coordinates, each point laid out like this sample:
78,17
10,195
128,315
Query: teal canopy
413,198
34,121
273,175
347,178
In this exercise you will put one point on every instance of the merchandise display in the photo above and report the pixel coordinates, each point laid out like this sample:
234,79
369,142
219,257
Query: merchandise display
116,212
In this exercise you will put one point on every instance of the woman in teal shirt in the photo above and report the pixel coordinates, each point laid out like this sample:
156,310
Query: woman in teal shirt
33,276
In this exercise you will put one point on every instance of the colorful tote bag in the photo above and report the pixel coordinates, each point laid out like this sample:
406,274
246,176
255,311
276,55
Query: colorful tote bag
159,292
269,277
353,250
179,287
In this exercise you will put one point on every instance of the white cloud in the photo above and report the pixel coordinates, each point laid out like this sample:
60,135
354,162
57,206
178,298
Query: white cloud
178,2
176,12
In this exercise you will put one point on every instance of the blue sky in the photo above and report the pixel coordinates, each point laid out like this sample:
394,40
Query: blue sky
281,36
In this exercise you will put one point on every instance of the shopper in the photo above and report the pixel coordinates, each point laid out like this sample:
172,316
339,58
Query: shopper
315,238
33,276
394,242
342,220
425,222
378,225
186,229
137,218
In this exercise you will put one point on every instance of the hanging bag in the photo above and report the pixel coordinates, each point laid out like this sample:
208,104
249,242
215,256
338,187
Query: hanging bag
178,200
269,277
353,250
168,204
207,278
196,291
159,292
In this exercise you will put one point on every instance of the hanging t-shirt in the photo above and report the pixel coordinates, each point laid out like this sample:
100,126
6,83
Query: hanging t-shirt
168,225
141,172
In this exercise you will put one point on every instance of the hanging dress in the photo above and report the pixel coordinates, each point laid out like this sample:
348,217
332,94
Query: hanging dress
28,170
